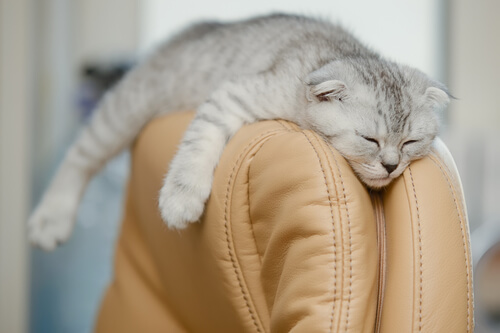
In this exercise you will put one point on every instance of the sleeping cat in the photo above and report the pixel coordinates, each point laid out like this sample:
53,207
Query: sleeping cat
378,114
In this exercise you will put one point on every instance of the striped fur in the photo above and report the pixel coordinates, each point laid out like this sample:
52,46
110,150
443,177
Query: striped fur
375,112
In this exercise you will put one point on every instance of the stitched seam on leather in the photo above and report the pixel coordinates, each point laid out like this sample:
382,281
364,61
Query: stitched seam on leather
420,253
462,229
248,198
286,125
321,140
378,206
333,230
350,235
446,170
334,242
232,255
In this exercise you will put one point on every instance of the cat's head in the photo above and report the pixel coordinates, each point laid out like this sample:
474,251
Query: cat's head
379,115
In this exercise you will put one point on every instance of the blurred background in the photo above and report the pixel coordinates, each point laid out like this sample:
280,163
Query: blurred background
58,56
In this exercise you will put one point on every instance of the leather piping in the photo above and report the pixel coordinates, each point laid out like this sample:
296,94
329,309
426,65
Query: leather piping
322,144
417,252
470,297
229,240
349,233
378,207
333,230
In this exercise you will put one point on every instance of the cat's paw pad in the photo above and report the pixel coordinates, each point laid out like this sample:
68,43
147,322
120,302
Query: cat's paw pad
50,225
178,209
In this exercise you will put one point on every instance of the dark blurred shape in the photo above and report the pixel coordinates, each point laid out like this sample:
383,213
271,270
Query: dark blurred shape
96,79
487,276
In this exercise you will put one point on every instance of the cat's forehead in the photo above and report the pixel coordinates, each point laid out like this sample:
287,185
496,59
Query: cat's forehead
392,97
386,116
389,80
373,71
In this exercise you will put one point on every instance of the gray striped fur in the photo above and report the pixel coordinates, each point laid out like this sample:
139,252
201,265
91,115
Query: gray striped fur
308,71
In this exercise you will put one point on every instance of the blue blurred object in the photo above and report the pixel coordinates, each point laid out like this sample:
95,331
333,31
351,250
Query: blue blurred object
68,284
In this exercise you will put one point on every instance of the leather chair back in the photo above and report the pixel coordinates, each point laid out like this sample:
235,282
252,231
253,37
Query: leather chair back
291,241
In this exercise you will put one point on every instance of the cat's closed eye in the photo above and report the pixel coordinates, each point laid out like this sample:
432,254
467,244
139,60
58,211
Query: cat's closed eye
371,140
409,142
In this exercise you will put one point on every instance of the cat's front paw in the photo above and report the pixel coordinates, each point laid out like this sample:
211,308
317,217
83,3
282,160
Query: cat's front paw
179,206
51,223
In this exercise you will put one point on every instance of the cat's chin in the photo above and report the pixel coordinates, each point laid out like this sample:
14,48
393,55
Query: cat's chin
377,183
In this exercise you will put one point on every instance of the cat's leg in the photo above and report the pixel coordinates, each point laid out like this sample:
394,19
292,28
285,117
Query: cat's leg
188,182
116,122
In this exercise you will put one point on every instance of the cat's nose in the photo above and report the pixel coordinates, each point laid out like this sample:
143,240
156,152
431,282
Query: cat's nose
390,167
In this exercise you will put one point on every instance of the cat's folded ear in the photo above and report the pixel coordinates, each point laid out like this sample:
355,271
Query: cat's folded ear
437,98
327,91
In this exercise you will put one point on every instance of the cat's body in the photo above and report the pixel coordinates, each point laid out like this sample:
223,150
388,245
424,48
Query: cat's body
378,114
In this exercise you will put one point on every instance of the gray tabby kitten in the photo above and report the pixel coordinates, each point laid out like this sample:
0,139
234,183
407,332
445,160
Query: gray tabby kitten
378,114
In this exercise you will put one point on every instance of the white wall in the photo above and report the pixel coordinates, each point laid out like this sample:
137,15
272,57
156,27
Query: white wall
475,65
474,118
105,29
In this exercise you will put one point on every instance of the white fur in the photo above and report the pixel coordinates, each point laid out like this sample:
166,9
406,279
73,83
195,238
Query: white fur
52,221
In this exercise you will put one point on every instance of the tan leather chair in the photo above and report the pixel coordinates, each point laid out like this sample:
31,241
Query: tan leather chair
291,241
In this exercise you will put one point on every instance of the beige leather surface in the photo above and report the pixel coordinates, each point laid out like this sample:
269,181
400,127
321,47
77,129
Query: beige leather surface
429,277
288,242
